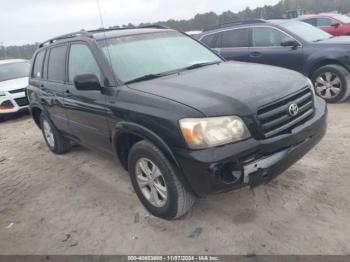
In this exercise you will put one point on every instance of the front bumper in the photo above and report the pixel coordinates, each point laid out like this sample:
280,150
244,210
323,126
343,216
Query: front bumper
13,103
251,162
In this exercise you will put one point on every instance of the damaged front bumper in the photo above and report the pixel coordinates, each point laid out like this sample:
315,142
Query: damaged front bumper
251,162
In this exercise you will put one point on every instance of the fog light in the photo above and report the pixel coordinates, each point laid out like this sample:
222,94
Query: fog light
6,105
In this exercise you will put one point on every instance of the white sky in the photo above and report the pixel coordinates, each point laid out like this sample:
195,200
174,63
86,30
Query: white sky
30,21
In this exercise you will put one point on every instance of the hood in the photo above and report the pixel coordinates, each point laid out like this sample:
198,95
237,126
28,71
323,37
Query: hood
227,88
336,40
14,84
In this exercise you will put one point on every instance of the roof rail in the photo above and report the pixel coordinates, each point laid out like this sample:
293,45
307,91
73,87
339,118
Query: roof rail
70,35
155,26
242,22
90,32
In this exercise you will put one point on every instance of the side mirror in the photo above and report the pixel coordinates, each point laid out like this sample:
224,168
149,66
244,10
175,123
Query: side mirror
290,43
87,82
335,24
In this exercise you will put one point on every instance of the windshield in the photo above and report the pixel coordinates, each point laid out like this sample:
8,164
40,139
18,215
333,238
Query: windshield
136,56
306,32
342,18
14,70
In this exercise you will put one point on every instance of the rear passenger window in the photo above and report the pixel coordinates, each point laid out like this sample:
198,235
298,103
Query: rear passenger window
235,38
210,40
56,64
81,61
38,65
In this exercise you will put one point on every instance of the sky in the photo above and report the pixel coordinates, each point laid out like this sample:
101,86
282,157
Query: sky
24,21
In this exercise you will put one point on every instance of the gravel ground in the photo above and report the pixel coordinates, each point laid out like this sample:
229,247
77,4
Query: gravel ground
82,203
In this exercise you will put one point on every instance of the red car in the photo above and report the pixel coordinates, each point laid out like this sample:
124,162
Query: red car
335,24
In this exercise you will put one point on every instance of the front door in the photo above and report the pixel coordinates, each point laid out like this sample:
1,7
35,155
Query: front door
267,49
328,25
86,110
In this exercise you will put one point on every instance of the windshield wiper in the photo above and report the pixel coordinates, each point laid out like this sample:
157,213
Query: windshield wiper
198,65
145,77
153,76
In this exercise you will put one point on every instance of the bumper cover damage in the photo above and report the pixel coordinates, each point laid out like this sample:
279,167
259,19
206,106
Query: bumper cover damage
251,162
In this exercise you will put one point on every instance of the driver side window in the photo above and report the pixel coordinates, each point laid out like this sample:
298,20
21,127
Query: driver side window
268,37
81,61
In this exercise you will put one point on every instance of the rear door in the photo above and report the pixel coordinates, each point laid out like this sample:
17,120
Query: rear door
36,75
86,110
233,44
325,24
52,85
267,49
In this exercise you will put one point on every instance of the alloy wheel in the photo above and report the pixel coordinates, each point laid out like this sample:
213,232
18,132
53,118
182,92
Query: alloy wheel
48,134
328,85
151,182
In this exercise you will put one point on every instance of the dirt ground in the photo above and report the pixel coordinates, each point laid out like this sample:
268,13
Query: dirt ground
83,203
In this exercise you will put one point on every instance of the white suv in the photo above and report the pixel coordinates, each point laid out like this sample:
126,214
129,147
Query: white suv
13,82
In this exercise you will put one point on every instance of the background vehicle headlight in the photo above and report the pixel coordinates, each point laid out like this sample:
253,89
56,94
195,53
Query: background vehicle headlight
311,85
213,131
2,93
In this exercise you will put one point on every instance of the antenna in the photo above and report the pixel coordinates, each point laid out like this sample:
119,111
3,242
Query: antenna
104,31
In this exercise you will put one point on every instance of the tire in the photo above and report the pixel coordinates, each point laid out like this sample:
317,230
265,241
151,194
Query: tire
178,200
56,142
332,82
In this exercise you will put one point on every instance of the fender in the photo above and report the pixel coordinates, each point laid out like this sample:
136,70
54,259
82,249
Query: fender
133,128
331,54
136,129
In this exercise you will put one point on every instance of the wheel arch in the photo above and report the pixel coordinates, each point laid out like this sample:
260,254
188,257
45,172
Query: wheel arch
126,134
136,133
36,112
324,62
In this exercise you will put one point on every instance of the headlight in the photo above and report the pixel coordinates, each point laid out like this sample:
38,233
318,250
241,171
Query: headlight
2,93
311,85
213,131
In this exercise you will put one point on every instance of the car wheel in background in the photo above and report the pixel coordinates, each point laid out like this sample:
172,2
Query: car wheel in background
156,183
56,142
332,82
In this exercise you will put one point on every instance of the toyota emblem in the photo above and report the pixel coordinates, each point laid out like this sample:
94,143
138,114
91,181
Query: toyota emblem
293,109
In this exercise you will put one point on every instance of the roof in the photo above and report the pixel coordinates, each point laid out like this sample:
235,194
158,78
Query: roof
319,15
125,32
9,61
234,23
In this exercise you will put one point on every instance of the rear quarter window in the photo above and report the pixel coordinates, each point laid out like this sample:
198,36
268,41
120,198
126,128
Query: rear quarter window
210,40
38,65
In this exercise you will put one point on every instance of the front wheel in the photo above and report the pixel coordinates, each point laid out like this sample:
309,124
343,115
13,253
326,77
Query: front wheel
332,82
56,142
156,183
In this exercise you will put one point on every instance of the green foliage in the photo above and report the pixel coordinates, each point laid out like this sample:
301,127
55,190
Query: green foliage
201,21
24,51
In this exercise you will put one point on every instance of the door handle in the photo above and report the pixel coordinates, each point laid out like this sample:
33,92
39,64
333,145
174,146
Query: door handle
255,54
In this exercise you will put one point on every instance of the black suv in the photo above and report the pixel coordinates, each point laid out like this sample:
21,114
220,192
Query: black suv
183,122
291,44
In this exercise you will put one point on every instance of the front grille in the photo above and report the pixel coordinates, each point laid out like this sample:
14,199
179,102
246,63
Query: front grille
275,118
17,91
23,101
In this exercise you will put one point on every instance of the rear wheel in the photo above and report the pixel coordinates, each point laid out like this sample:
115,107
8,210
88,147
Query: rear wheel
156,183
332,82
56,142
